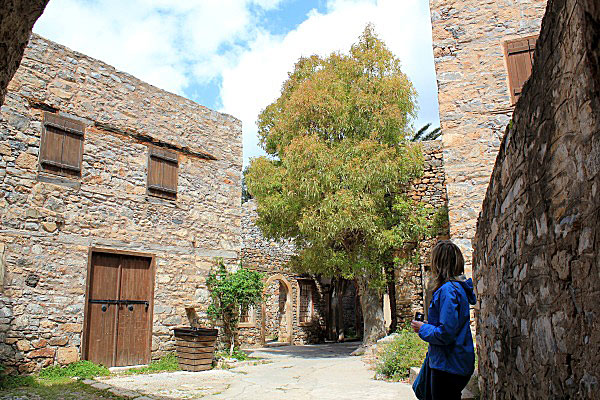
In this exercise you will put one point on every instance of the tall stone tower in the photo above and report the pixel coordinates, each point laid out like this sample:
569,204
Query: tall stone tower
483,51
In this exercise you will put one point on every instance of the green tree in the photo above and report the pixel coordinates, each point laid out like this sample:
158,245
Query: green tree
231,292
339,166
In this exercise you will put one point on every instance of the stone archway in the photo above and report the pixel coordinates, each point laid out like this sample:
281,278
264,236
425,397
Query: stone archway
285,308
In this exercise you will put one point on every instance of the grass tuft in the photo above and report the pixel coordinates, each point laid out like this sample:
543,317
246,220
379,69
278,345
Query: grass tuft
165,364
15,381
79,369
405,351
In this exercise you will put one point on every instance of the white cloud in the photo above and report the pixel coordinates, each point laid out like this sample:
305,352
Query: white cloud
166,43
255,81
178,44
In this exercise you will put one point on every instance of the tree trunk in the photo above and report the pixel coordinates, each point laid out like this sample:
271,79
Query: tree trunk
340,289
391,287
371,303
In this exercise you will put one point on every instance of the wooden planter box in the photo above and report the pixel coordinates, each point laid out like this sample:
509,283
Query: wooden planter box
195,348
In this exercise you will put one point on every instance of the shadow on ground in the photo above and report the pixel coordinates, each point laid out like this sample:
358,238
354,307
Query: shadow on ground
327,350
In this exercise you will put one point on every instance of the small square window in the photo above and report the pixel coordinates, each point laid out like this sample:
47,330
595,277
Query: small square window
61,146
163,166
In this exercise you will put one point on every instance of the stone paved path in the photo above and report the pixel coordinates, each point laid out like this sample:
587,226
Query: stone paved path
321,372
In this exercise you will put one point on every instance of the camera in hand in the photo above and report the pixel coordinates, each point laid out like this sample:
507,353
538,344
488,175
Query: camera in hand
419,316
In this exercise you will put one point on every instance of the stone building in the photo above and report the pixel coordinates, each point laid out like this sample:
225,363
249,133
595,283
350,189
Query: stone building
409,293
537,246
482,52
294,311
116,197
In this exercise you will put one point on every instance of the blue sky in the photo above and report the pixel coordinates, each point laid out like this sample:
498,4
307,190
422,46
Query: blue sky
233,55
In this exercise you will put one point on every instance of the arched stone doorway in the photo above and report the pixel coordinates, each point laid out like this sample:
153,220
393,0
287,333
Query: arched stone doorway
276,315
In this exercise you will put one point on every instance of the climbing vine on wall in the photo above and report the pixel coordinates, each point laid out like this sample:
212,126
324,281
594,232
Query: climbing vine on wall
231,292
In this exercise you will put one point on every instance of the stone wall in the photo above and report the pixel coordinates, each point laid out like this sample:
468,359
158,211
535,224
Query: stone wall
473,95
48,223
536,259
16,21
271,258
431,191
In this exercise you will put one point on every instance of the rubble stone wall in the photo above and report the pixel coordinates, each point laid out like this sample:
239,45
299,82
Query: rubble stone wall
536,260
473,96
271,258
431,191
16,21
48,223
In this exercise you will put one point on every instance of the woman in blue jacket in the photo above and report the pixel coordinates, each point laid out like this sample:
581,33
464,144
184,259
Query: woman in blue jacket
448,330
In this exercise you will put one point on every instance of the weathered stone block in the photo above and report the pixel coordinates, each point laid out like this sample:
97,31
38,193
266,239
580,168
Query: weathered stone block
46,352
76,328
67,355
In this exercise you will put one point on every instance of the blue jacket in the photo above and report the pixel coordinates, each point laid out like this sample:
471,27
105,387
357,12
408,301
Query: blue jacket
448,330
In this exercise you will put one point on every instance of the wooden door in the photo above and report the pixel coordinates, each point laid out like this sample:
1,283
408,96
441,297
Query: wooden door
118,323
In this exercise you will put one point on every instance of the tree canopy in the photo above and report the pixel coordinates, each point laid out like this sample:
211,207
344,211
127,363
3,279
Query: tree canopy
340,164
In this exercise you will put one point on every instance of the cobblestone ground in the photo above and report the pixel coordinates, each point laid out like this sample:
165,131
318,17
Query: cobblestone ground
293,372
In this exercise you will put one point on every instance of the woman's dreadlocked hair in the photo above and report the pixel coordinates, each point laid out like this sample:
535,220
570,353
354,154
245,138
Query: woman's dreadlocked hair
446,262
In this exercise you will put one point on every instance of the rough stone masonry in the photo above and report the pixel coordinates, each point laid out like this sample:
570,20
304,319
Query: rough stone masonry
473,94
536,260
49,223
16,20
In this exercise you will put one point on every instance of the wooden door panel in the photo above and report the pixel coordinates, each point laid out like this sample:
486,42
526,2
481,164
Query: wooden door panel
100,326
133,346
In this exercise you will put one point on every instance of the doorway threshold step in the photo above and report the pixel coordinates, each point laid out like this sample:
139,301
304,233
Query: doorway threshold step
276,344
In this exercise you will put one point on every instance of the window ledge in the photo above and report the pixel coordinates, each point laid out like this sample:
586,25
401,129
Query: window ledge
59,180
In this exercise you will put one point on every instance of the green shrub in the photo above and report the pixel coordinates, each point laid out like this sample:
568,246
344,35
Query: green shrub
405,351
79,369
166,363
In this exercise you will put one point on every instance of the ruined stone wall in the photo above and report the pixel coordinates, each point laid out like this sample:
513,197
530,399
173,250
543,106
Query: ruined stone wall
48,223
473,95
536,260
271,258
431,191
16,21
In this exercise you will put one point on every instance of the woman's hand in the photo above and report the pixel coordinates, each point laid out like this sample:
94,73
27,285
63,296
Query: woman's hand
416,325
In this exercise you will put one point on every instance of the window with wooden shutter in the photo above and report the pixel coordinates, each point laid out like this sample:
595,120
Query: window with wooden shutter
305,306
519,62
61,146
163,166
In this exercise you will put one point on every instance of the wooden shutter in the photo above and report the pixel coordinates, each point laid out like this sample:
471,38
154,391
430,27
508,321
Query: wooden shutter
163,166
305,307
519,61
61,147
